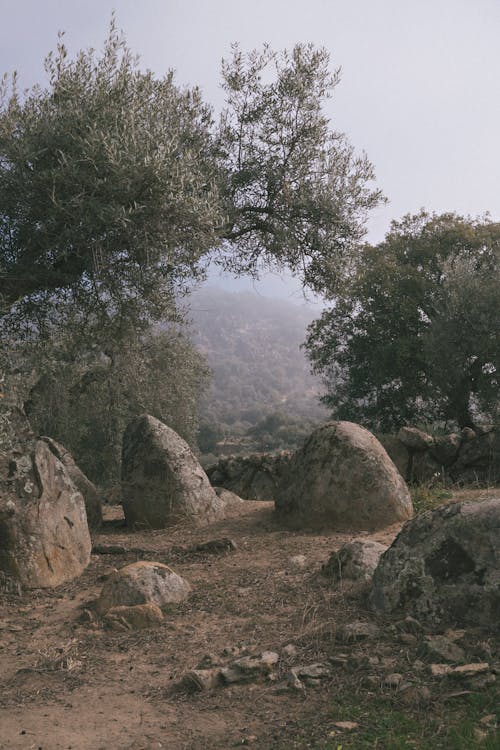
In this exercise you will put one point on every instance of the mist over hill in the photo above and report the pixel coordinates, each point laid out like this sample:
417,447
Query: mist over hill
252,344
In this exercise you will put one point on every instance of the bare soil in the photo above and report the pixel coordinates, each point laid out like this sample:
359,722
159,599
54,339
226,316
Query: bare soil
66,683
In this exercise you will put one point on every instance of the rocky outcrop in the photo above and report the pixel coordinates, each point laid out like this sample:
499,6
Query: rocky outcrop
461,458
143,582
82,483
343,478
444,566
44,535
162,481
355,561
254,477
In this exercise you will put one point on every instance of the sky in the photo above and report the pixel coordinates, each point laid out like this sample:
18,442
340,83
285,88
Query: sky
419,91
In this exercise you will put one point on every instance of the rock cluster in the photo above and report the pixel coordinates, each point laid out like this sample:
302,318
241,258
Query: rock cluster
468,456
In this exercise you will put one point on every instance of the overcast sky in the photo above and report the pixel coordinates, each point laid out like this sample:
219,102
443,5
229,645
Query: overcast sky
420,81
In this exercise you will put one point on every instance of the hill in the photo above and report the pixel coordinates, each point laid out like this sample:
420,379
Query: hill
260,374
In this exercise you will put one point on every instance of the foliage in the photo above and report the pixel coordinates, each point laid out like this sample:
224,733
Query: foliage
413,336
85,398
252,344
426,498
107,178
114,184
385,724
295,193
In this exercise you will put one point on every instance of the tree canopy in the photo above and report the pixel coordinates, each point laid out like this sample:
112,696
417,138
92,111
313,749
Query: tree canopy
107,184
414,335
115,184
295,193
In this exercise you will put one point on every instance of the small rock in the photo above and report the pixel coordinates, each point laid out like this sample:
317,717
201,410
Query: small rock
249,668
411,625
358,631
216,546
143,583
440,670
490,721
440,645
470,670
200,679
393,680
269,657
293,681
298,561
313,671
355,561
209,660
290,650
408,639
137,617
414,695
345,726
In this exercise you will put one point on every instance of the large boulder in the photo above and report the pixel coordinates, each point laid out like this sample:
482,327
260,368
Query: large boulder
82,483
343,478
162,481
44,535
143,582
444,566
397,452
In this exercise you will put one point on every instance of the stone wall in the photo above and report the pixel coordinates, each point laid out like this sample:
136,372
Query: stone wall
466,457
253,477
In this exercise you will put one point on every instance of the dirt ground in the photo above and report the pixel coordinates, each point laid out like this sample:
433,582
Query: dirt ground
66,683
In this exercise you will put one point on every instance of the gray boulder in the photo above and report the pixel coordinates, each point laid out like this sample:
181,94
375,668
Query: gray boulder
397,452
355,561
162,481
44,533
414,439
343,478
445,448
82,483
143,582
444,566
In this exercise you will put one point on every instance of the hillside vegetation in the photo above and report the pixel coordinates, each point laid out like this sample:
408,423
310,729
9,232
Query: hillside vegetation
261,381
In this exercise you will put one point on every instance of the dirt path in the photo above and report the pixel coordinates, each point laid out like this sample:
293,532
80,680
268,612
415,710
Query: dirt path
67,684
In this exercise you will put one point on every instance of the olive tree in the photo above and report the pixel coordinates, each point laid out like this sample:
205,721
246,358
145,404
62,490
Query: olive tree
296,195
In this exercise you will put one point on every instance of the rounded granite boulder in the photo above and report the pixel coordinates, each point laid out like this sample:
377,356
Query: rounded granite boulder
343,478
